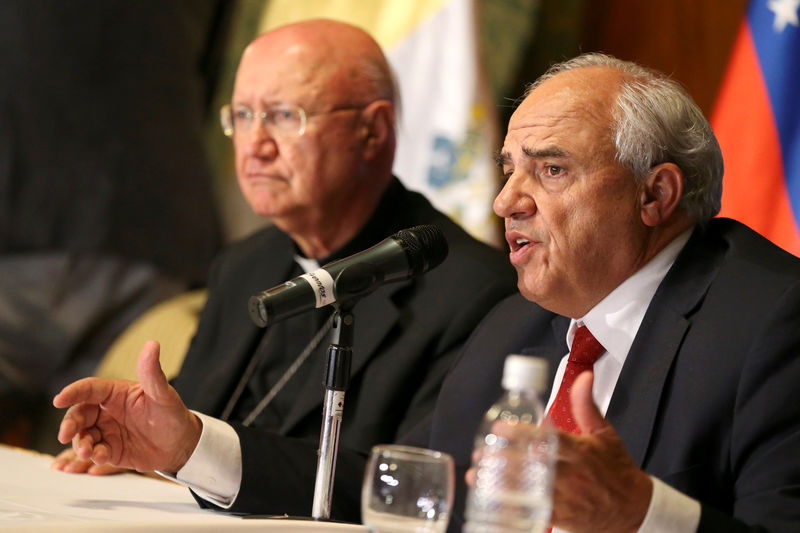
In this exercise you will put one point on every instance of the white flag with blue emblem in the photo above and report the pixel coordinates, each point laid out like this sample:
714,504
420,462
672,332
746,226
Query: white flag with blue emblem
448,129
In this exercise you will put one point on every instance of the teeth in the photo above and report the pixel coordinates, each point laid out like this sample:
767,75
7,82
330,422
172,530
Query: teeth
522,241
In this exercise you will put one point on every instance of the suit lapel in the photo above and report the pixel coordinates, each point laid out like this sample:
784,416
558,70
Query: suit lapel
637,395
269,266
635,401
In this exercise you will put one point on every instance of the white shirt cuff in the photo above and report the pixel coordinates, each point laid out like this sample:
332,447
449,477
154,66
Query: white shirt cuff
214,470
670,510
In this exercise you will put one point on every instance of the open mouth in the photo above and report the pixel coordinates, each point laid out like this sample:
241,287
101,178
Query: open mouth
518,243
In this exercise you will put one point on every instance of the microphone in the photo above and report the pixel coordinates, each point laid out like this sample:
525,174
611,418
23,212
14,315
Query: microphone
405,254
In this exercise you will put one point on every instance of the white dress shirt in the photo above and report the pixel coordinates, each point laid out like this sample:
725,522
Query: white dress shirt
214,470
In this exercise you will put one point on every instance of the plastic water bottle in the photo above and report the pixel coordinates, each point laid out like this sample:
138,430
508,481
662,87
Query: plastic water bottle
513,490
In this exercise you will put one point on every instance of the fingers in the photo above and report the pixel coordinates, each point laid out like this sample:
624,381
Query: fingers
83,445
72,466
105,470
586,413
89,447
78,427
67,430
154,382
77,419
90,390
69,462
101,454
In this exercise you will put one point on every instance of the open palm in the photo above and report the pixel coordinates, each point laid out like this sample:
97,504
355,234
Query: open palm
142,425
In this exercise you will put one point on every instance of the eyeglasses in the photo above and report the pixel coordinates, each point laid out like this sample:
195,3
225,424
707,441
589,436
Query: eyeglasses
285,118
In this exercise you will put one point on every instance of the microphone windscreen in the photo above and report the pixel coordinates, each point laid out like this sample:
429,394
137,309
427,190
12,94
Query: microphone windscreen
425,247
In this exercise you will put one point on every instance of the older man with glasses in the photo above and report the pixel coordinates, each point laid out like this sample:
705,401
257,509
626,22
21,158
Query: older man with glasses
313,126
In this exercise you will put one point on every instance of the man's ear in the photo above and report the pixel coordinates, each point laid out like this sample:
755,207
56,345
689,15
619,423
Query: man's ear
377,127
660,193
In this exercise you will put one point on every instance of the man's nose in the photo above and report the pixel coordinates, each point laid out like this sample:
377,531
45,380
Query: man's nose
512,200
258,141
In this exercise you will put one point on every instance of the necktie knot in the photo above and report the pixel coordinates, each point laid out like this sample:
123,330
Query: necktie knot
585,348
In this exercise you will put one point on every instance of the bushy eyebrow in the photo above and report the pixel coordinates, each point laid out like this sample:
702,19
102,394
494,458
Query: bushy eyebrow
501,158
553,151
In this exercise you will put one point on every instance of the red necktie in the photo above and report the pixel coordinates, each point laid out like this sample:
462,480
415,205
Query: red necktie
585,351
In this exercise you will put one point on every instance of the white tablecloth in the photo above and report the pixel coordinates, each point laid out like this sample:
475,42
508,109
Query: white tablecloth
34,498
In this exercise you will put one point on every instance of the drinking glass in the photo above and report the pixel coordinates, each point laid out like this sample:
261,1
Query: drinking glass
407,490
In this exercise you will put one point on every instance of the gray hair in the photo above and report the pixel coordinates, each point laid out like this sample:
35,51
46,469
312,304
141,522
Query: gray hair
381,80
656,121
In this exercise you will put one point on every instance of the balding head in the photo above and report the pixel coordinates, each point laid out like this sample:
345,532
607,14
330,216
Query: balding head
318,177
340,59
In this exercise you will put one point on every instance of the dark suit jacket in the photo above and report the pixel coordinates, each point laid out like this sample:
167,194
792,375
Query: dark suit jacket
407,335
708,399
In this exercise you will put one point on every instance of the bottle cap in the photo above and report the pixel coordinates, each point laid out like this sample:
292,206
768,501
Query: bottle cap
524,372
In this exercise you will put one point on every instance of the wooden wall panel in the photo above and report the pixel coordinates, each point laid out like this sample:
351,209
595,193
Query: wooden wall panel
690,39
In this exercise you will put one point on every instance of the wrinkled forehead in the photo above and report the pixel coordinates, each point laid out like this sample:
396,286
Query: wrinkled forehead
294,73
571,105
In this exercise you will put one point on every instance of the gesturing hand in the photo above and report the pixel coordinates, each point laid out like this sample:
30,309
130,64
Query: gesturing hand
598,487
142,425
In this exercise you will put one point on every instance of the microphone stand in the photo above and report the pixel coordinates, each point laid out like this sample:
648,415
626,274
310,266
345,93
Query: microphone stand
337,380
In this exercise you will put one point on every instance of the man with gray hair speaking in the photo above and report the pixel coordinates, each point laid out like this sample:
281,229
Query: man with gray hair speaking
688,418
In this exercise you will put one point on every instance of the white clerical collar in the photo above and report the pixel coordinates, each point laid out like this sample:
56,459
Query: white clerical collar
308,265
615,320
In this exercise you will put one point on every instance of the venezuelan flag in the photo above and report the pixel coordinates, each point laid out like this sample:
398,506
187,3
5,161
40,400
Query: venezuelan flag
757,122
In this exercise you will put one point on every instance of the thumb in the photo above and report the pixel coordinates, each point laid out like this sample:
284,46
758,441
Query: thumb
586,413
154,382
